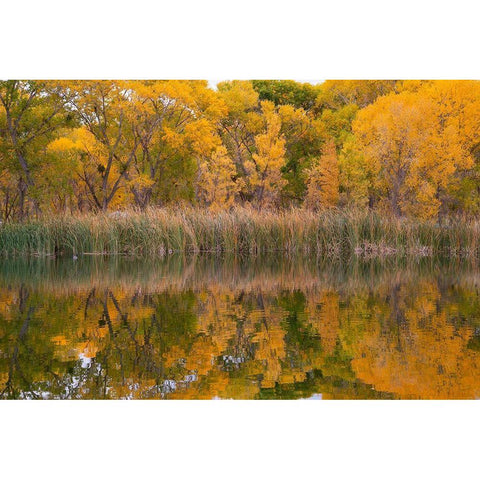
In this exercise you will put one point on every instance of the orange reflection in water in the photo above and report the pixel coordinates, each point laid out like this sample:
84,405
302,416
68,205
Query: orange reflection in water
398,336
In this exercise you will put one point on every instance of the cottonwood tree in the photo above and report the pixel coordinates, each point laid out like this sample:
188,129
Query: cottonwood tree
106,139
264,169
303,137
416,145
175,124
217,185
356,176
238,127
30,114
338,102
455,142
323,180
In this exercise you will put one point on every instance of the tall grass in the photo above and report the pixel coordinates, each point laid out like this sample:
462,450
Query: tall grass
162,231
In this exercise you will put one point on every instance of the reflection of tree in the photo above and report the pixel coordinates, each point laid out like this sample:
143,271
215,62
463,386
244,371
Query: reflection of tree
15,368
401,339
423,353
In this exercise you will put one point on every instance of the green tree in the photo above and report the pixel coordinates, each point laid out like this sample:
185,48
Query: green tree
287,92
30,114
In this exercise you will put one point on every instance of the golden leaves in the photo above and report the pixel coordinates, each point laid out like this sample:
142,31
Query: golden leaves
416,141
217,185
408,147
265,168
323,180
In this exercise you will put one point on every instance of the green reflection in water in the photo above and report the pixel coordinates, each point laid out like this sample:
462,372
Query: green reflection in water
256,328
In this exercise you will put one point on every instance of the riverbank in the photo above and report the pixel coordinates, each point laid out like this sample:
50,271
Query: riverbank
159,232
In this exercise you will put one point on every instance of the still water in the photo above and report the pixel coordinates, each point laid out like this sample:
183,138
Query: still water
254,328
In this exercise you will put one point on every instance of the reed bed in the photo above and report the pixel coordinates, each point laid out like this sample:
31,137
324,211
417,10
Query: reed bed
161,231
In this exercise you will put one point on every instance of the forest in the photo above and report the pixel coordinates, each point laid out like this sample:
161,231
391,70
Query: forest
406,149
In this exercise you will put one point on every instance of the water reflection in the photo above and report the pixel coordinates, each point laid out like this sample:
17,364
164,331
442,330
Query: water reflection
255,328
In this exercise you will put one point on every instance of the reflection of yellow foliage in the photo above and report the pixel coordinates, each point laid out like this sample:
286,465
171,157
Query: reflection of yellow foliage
271,352
3,380
60,340
427,357
397,337
202,355
329,322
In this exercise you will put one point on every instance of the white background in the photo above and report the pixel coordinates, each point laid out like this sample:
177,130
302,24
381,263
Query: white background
216,40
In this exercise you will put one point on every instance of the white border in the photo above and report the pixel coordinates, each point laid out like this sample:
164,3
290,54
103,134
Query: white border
225,39
240,439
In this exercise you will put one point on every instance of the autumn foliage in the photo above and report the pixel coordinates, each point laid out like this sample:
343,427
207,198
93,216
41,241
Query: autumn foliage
404,148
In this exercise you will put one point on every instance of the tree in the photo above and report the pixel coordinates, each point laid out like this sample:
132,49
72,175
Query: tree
302,132
338,102
239,126
30,113
217,185
416,147
356,176
176,129
323,180
287,92
455,142
334,94
106,138
264,170
391,133
304,140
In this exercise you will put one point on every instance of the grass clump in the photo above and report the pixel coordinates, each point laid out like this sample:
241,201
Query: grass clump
160,231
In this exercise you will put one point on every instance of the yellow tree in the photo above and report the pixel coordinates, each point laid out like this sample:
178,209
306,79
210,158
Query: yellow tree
338,102
176,128
106,138
323,180
355,176
245,120
418,142
239,126
216,182
334,94
264,170
80,154
455,142
395,136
